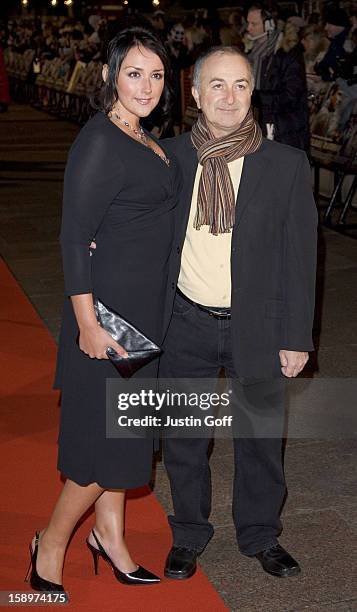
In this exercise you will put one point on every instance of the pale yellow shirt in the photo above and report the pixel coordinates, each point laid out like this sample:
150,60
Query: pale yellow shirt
205,275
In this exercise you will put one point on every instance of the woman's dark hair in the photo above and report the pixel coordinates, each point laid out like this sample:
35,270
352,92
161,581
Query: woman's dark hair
117,50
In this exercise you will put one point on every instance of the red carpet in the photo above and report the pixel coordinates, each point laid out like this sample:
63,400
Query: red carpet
30,483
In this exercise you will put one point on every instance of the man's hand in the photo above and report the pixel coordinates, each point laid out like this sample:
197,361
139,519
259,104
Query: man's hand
292,362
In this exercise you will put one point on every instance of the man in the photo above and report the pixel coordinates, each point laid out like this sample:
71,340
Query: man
244,268
280,95
336,28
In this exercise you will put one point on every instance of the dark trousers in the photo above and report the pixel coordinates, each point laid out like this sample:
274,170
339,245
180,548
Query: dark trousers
198,346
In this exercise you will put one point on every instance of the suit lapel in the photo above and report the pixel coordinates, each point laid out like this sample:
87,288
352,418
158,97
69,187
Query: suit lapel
189,166
254,169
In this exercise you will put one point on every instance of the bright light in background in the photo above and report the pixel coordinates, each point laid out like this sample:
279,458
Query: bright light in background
68,2
24,2
126,2
156,2
54,2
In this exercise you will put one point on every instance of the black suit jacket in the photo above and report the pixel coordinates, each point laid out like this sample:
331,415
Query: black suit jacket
273,255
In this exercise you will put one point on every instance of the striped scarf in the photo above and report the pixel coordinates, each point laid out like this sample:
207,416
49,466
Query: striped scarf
216,199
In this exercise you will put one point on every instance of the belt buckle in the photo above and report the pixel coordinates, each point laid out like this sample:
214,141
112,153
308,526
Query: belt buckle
219,315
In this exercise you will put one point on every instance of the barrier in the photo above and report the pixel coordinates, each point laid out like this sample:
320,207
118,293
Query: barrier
61,87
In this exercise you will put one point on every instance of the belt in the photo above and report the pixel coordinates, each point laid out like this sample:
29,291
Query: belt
217,313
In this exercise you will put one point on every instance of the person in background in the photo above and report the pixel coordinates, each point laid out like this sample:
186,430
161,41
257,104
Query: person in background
336,28
180,58
298,23
158,20
315,45
196,35
280,95
231,32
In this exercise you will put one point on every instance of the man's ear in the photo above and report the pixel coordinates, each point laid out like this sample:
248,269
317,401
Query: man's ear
196,96
105,72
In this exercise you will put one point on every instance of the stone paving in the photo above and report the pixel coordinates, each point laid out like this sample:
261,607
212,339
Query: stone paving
320,514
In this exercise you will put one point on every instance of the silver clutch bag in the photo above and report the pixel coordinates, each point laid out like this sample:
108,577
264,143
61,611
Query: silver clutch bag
140,348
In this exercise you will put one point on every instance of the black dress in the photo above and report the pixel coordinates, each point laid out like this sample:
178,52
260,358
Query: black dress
121,193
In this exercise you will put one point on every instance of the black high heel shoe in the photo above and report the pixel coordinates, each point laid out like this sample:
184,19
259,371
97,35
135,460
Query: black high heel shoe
140,576
38,583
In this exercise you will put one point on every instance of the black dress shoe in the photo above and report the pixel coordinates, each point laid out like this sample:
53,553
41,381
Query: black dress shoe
277,561
180,563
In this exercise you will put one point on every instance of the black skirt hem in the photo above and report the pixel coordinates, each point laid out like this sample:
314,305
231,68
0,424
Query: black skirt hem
102,482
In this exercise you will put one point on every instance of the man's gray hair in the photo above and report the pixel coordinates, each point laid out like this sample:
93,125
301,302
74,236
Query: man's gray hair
196,76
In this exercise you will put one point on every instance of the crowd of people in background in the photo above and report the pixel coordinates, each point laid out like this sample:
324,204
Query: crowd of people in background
295,59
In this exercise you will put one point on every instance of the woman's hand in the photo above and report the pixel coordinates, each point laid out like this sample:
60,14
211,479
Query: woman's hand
94,341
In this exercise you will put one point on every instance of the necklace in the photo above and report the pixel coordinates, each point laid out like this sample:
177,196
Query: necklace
141,135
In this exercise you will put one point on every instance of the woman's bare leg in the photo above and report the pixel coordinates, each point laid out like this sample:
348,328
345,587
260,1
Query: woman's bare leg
71,505
109,527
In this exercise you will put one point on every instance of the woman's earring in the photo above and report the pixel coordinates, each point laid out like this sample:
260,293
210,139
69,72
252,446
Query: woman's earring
105,72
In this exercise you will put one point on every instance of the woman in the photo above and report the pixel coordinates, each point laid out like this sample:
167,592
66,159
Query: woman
120,189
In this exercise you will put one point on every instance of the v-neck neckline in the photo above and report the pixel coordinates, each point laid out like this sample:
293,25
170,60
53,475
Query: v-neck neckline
140,143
